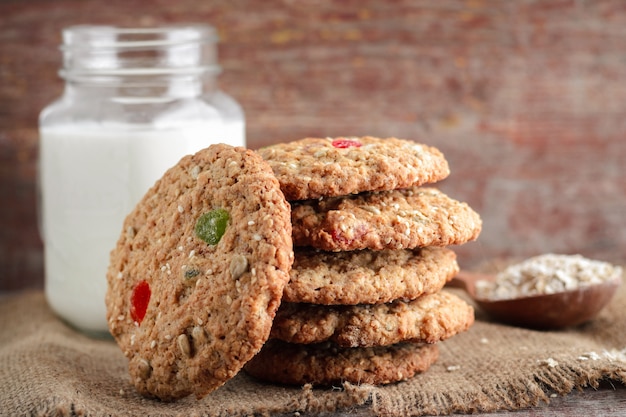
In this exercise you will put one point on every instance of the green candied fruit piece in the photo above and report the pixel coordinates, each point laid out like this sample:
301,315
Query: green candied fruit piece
212,225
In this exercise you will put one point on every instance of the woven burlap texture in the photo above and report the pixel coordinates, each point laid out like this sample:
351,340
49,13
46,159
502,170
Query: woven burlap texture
49,369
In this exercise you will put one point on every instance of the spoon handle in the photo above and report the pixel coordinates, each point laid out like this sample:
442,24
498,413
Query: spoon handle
467,280
457,282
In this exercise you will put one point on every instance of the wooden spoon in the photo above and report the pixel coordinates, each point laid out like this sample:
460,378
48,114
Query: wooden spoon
544,311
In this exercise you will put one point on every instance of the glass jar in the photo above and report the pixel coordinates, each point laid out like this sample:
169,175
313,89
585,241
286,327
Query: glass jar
135,102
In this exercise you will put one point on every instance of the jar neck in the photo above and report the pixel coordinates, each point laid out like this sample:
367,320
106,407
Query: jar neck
167,62
146,88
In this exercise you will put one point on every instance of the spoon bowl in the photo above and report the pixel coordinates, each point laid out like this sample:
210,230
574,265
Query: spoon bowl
542,311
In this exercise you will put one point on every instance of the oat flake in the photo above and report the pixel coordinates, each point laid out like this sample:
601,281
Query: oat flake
547,274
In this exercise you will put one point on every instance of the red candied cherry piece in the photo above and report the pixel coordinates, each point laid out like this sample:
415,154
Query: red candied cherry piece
343,143
339,237
139,300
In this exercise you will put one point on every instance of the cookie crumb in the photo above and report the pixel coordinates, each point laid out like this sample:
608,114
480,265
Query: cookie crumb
589,356
550,362
615,355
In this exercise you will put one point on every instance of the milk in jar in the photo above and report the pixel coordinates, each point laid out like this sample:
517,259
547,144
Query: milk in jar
135,102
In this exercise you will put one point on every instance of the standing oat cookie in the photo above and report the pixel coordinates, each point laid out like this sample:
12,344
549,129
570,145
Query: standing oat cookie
199,271
428,319
326,363
368,277
314,167
396,219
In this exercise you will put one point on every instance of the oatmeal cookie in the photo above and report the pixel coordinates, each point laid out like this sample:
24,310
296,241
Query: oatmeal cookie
428,319
199,271
397,219
314,167
327,364
368,277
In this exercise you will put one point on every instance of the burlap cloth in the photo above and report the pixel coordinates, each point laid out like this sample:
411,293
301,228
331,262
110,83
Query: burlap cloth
47,368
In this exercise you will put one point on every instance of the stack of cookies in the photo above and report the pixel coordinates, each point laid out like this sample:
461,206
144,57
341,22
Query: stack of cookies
364,302
215,270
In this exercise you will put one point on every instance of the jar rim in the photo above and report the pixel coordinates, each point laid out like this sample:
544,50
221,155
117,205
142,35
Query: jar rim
112,37
100,50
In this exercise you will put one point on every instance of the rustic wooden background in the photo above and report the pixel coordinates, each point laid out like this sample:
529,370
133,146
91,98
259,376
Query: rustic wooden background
527,99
